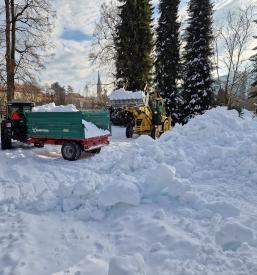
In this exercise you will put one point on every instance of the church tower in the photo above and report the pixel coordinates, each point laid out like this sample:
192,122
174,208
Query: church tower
99,87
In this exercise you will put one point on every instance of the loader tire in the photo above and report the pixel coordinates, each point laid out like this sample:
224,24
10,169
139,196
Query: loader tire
71,151
6,143
155,133
129,131
166,126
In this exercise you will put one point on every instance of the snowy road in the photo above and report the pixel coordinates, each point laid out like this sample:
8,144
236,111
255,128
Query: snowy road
184,205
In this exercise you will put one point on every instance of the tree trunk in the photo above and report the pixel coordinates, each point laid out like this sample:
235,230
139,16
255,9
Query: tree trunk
10,48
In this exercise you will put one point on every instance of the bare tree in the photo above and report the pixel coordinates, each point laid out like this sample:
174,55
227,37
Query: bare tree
27,26
234,37
103,49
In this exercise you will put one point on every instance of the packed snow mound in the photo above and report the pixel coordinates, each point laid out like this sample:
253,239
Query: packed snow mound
91,130
87,266
186,203
122,94
127,265
51,107
232,235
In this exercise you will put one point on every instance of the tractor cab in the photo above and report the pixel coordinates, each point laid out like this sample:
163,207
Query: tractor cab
20,107
13,127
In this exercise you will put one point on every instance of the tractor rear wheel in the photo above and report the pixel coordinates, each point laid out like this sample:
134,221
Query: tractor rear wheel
71,151
6,142
129,131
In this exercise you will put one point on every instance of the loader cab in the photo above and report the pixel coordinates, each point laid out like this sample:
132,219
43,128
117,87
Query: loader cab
21,107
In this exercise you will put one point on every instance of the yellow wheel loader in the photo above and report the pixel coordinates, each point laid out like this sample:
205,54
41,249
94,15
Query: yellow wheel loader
147,110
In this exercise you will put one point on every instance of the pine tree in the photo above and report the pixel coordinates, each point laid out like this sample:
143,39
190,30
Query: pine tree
197,90
253,93
134,44
168,55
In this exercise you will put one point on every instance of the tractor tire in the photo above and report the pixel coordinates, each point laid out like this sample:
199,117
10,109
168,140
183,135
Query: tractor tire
166,126
71,151
95,151
155,133
129,131
6,142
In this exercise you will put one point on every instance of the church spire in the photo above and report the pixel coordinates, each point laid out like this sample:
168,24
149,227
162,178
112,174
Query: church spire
99,86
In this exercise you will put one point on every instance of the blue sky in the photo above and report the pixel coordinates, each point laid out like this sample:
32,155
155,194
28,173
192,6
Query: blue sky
75,35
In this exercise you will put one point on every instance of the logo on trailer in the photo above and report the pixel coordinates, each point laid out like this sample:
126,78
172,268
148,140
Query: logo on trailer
35,130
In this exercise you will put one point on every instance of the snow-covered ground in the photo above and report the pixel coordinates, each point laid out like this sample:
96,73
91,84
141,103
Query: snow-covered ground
182,205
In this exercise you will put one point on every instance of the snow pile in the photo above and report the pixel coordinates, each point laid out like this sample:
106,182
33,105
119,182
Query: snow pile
91,130
185,204
122,94
51,107
127,265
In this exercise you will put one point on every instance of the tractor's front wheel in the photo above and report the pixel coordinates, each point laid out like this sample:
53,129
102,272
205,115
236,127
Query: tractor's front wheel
129,131
155,133
71,151
166,126
6,142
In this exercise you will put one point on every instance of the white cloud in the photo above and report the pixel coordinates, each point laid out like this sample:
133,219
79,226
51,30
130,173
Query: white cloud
70,65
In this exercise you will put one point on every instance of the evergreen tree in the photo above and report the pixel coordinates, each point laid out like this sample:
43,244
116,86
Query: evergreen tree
253,93
197,90
134,44
168,56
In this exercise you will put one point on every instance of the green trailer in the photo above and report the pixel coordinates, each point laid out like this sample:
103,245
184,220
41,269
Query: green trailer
57,128
67,129
64,125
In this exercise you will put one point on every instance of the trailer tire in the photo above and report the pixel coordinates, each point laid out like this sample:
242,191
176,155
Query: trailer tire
71,151
79,150
95,151
6,142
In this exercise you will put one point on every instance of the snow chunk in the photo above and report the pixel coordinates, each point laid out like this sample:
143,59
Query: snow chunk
119,192
158,179
91,130
145,140
69,204
51,107
232,235
225,209
87,266
127,265
178,188
122,94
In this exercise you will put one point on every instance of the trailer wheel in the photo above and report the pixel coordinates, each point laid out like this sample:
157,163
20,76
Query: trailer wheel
79,150
129,131
6,142
95,151
71,151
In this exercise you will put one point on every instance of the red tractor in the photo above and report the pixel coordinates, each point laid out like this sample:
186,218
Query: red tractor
13,127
